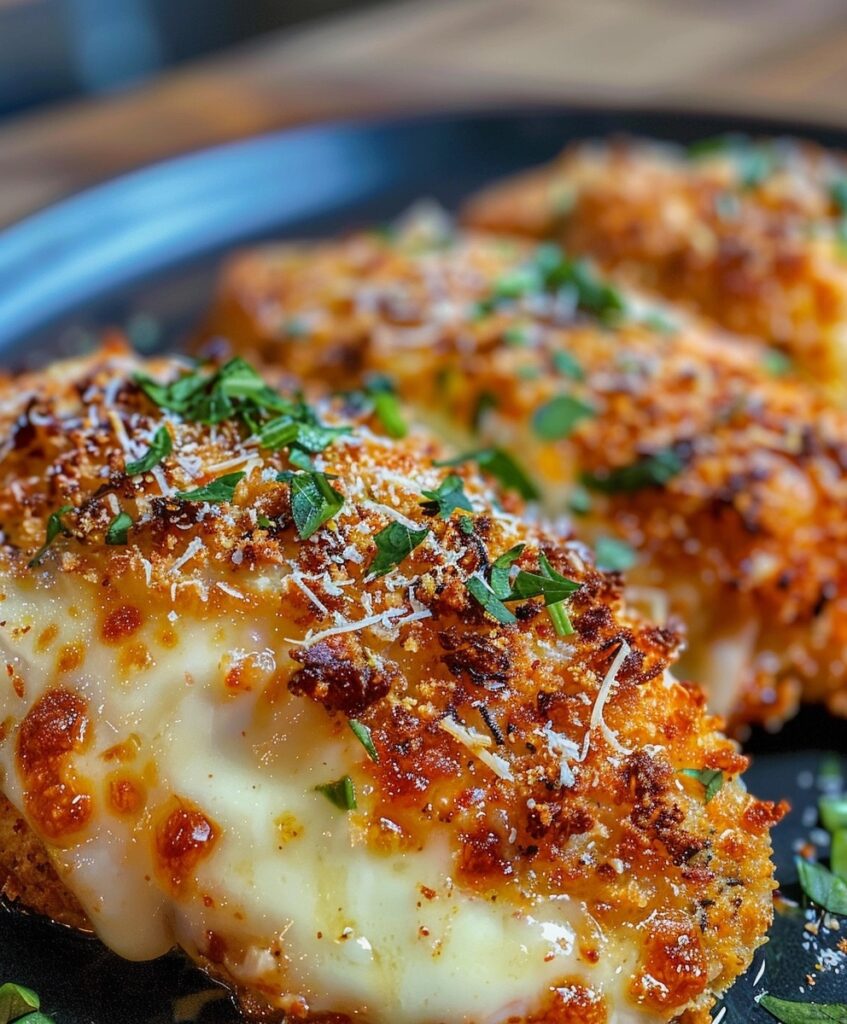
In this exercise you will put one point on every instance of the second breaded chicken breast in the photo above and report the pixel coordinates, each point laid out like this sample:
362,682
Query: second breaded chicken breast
728,482
749,233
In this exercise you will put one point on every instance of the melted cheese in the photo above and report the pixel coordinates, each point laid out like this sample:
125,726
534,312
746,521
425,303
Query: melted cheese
306,911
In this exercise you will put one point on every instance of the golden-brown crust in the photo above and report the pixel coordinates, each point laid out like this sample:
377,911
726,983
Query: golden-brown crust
746,531
547,764
747,233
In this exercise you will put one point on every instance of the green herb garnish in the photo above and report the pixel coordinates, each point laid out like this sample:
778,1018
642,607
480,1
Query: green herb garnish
314,501
822,886
20,1004
386,405
501,466
500,570
216,492
117,531
579,501
363,735
393,544
650,471
564,363
160,446
558,417
613,555
838,194
711,779
485,596
553,587
777,363
55,526
804,1013
448,496
340,793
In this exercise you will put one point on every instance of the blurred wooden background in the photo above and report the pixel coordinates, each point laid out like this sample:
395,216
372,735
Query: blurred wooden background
781,56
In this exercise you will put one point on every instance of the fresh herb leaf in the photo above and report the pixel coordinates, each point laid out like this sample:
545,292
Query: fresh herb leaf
16,1002
613,555
657,320
286,431
314,501
393,544
711,779
564,363
217,491
466,525
777,363
546,583
498,577
838,853
561,620
650,471
579,501
516,336
340,793
822,887
485,596
363,735
790,1012
386,405
754,161
448,496
264,522
558,417
117,531
501,466
55,526
160,446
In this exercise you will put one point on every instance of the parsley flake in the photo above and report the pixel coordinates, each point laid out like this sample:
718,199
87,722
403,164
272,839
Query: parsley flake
711,779
393,544
777,363
613,555
502,466
55,526
553,587
314,501
20,1004
491,603
216,492
363,735
558,417
649,471
446,498
340,793
790,1012
118,528
564,363
160,446
500,571
386,405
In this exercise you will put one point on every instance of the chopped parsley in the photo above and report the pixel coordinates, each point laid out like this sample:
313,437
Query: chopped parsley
777,363
216,492
553,587
579,501
314,501
822,886
482,593
833,812
264,522
564,363
363,735
711,779
446,498
790,1012
340,793
160,446
393,544
386,406
501,569
19,1005
754,161
649,471
613,555
118,528
558,417
235,391
501,466
304,434
55,526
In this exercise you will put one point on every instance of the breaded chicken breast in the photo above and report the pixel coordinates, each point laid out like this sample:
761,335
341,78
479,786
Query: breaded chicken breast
348,730
728,482
752,234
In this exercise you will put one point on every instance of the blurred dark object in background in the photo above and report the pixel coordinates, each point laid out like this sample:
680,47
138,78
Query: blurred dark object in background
54,49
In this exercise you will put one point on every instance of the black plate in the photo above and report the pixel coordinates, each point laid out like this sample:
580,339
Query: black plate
141,252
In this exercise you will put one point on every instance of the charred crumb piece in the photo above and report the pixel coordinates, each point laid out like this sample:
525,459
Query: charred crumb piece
340,673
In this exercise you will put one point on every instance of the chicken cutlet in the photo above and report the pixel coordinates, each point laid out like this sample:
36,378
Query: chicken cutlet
749,233
726,480
342,725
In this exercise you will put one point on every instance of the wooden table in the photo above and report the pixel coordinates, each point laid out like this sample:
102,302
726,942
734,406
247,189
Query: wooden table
784,56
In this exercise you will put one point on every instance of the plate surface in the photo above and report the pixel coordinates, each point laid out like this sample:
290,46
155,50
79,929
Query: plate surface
141,252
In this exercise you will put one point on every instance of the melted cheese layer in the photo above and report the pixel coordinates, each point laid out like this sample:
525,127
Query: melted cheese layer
306,910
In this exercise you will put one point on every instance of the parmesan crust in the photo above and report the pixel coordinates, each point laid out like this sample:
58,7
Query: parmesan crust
744,533
165,693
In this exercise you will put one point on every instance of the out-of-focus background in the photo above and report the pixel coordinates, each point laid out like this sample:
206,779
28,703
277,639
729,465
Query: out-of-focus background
89,88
